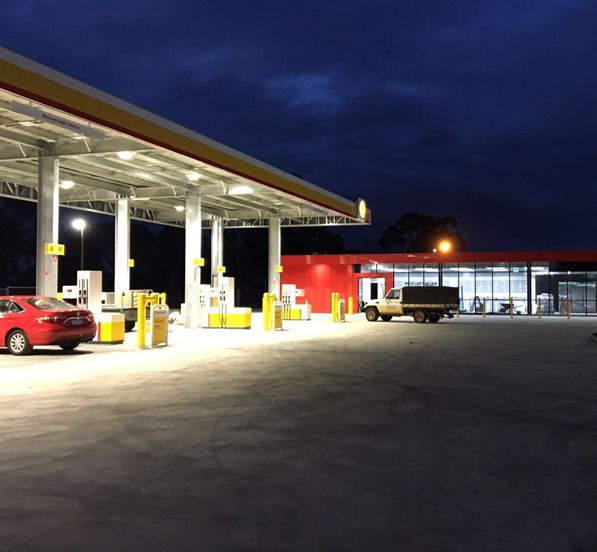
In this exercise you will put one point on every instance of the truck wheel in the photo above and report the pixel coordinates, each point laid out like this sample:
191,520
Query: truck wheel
386,317
371,314
18,343
420,316
129,325
434,317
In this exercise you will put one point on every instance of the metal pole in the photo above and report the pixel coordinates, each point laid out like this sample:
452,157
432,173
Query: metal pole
82,250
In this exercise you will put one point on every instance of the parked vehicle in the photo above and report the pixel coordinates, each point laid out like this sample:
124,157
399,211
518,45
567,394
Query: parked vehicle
421,302
26,321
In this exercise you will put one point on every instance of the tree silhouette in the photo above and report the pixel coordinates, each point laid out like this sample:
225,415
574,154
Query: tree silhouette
418,233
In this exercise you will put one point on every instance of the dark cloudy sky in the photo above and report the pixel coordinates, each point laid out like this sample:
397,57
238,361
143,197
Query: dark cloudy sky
485,110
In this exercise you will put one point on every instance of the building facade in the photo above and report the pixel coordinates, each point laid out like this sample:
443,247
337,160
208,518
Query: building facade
556,282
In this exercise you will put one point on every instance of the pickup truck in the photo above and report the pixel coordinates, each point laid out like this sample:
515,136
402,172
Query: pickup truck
422,303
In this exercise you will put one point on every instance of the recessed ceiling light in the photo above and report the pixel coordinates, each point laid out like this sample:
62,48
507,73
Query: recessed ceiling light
125,155
66,184
240,190
179,208
193,176
29,123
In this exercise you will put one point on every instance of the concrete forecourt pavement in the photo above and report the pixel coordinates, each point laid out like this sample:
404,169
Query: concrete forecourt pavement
467,435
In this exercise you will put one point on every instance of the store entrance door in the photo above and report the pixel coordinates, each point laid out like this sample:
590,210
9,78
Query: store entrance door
371,289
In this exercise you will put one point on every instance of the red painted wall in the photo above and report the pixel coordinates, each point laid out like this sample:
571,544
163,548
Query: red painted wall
319,281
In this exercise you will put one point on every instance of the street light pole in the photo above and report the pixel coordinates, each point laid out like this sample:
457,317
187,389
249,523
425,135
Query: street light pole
80,224
82,249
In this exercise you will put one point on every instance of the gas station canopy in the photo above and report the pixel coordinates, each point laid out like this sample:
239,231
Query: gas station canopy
111,150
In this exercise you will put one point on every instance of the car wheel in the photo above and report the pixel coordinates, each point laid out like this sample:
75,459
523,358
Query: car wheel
386,317
129,325
434,317
371,314
70,346
419,316
18,343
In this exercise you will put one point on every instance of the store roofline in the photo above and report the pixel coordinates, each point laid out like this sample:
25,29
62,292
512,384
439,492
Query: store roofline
461,257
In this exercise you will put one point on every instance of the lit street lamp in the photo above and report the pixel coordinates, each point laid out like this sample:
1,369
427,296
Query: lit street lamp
445,246
79,224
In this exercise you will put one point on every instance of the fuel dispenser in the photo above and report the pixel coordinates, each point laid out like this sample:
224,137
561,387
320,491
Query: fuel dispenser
222,313
110,326
291,309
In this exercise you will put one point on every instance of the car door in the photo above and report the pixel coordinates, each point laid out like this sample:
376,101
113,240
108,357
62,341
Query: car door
8,309
392,302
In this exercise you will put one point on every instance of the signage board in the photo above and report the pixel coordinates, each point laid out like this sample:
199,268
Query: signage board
158,324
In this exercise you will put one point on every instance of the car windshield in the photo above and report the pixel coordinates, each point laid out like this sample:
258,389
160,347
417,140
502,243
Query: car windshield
48,303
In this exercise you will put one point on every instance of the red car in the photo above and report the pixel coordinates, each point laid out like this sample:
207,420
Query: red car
26,321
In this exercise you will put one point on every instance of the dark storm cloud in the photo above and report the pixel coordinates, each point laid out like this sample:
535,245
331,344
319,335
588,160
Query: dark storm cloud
479,109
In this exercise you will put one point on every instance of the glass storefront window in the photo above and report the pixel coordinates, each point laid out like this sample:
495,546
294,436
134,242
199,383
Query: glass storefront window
518,287
540,290
450,274
501,288
591,292
400,275
385,267
499,282
431,273
468,298
484,288
417,275
370,267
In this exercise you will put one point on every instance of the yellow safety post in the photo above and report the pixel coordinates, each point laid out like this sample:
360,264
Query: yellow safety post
335,306
484,307
539,309
568,308
511,308
350,306
141,317
267,317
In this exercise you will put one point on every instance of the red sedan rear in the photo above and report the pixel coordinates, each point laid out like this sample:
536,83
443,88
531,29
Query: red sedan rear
34,320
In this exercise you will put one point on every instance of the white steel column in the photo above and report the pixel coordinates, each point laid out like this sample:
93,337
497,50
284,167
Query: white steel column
122,248
192,254
217,250
274,241
46,281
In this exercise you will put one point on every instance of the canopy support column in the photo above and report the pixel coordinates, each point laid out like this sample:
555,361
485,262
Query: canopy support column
46,280
275,239
217,251
192,264
122,248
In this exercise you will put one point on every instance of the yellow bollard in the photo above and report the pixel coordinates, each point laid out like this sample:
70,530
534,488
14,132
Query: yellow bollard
333,306
484,307
267,318
336,317
141,317
568,308
511,308
350,306
539,309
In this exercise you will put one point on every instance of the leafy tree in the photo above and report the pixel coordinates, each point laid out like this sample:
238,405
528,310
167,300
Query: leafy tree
416,233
